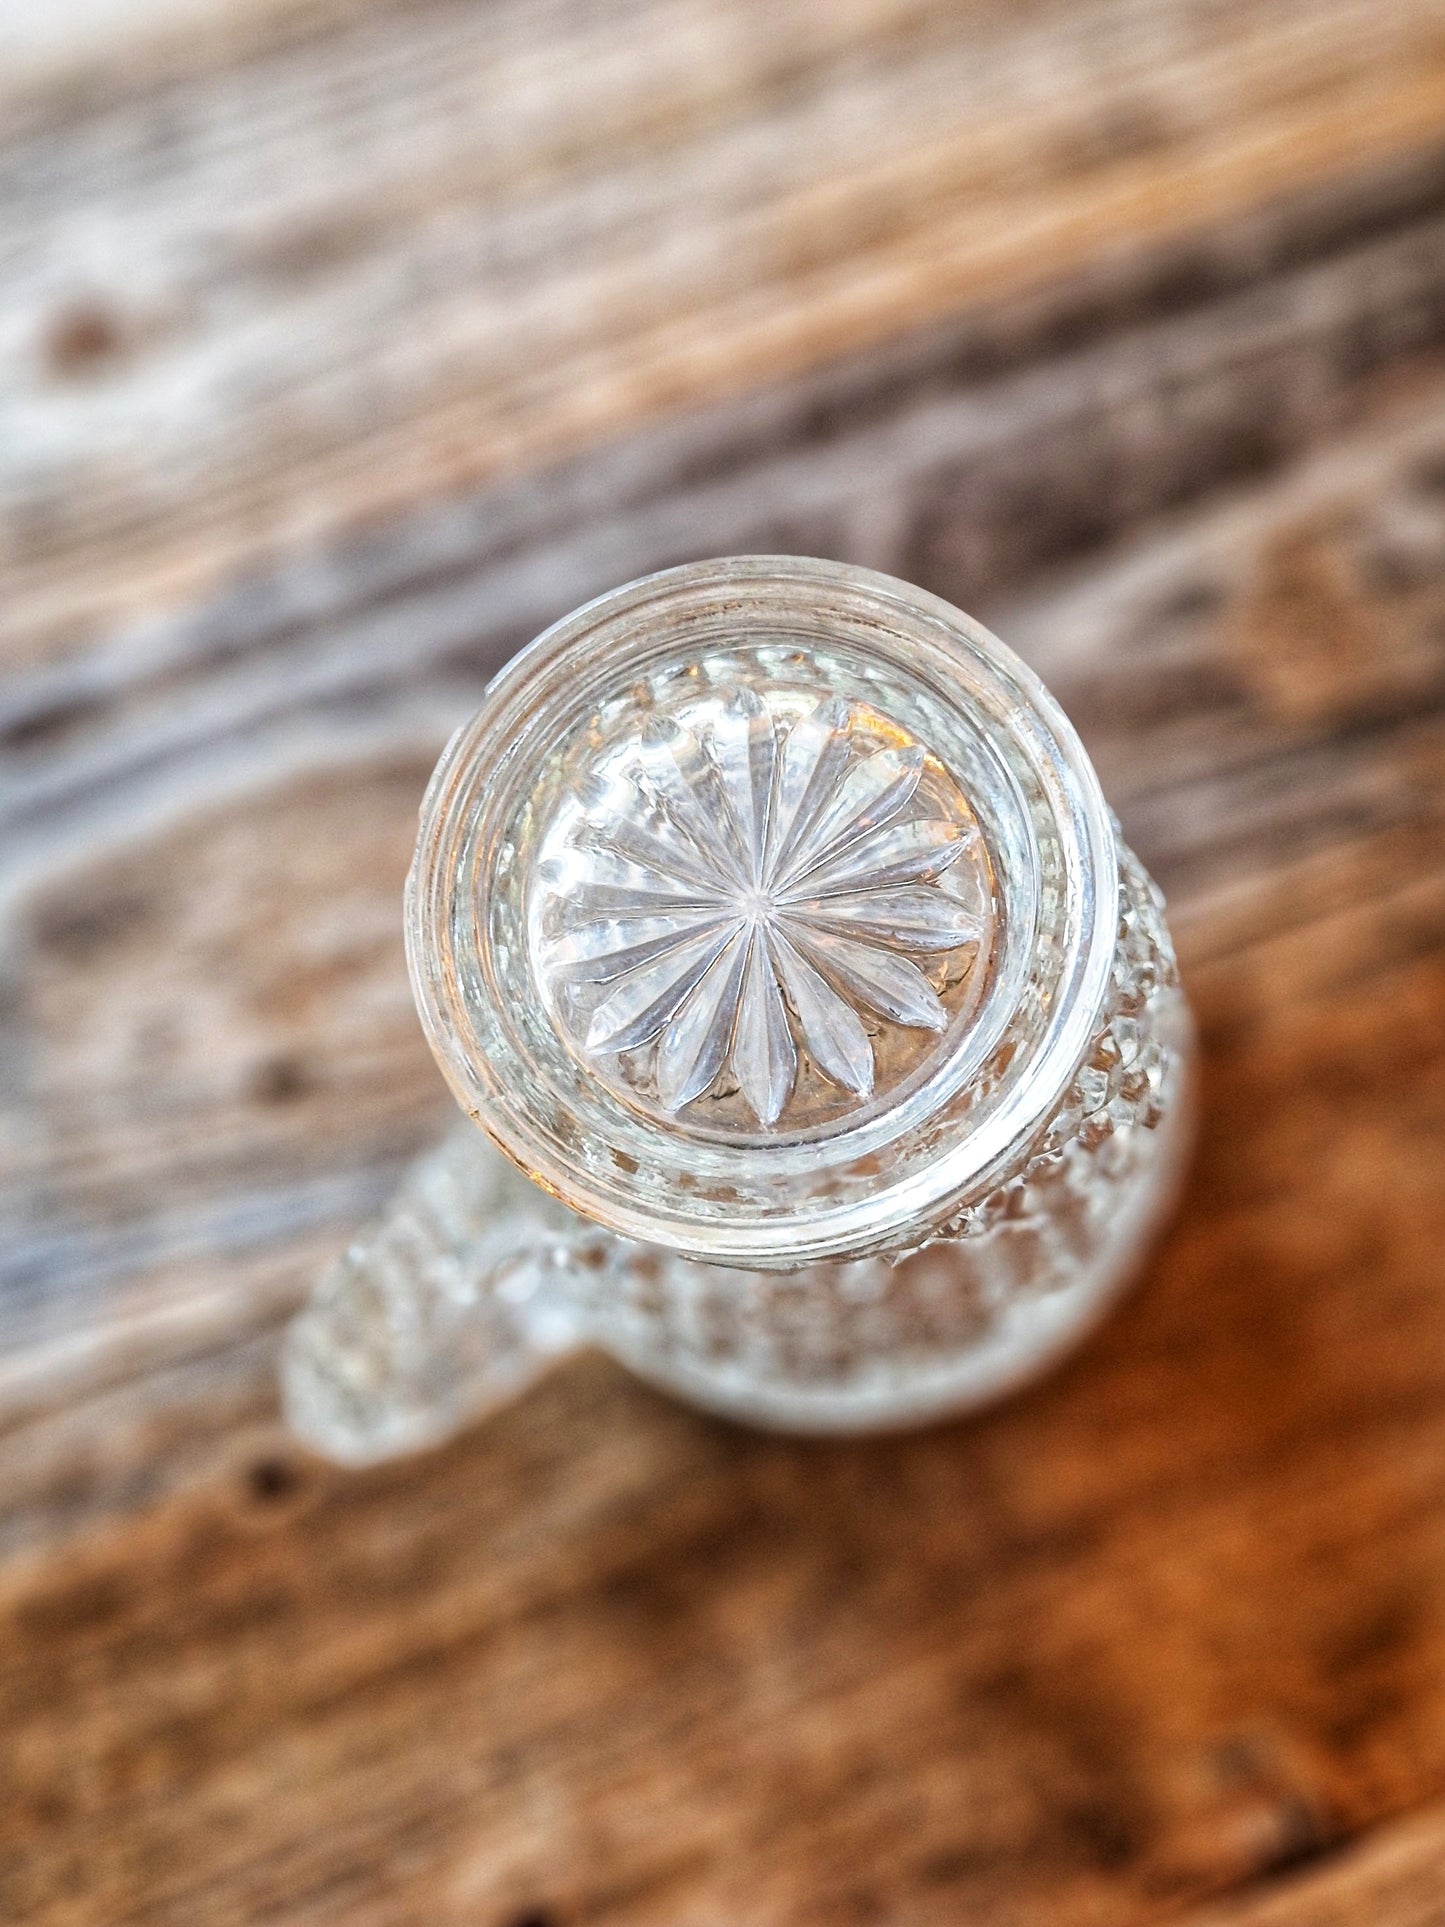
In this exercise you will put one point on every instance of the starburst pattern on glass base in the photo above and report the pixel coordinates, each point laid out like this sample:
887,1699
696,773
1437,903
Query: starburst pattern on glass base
744,888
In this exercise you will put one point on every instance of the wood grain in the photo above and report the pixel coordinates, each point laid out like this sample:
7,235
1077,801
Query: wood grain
1397,1876
1168,1625
227,335
1123,326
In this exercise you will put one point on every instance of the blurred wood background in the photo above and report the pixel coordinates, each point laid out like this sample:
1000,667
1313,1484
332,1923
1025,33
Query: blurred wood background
343,344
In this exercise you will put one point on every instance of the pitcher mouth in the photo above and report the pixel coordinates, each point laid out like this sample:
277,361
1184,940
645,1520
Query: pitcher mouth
764,910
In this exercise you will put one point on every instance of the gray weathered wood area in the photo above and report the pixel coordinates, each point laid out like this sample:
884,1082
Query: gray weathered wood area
342,346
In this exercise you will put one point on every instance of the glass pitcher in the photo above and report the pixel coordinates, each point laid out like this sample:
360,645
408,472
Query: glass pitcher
820,1043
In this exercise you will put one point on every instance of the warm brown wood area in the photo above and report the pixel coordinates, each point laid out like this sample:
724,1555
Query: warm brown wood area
346,345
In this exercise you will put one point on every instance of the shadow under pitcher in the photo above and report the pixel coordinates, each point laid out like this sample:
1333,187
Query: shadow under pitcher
825,1039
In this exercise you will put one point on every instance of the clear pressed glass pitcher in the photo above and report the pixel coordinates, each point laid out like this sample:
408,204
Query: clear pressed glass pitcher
820,1042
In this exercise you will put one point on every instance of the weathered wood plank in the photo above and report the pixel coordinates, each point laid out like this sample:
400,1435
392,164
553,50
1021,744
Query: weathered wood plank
1111,405
1167,1625
295,292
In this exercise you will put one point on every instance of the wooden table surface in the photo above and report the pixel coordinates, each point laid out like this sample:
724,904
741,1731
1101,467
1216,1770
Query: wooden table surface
347,342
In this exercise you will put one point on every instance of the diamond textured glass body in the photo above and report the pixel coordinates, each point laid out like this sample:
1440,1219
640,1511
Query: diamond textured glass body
769,916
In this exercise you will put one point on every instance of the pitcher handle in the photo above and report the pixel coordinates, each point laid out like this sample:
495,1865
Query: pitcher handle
447,1306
